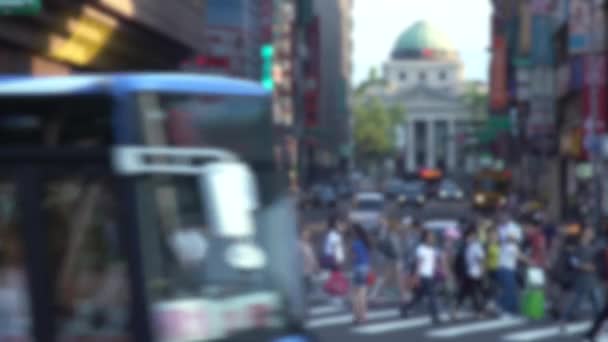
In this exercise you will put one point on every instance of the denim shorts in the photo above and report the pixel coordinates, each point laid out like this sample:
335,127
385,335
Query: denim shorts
360,275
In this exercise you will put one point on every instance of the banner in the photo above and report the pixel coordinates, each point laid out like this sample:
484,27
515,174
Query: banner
542,41
579,26
525,28
595,70
498,74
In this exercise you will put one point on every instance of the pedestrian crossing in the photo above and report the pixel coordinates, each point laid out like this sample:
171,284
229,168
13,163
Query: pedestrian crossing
387,322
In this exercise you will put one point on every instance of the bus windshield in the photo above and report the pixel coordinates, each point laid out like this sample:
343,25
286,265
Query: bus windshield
178,231
490,185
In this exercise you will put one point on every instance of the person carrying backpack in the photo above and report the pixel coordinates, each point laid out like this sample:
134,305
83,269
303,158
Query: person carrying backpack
601,267
583,262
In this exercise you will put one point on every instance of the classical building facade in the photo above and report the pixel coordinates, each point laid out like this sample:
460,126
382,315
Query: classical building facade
424,75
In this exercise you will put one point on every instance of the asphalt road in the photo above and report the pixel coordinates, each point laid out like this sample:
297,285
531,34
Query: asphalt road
334,324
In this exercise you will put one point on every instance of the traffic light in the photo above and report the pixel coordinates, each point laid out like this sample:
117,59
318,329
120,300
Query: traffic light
267,54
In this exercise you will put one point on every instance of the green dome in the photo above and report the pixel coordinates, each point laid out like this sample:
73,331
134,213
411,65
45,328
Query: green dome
422,40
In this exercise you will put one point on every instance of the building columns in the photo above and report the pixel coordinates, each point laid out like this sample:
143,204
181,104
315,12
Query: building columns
410,147
452,145
431,159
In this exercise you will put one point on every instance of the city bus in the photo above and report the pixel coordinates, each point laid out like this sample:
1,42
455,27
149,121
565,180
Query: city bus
107,232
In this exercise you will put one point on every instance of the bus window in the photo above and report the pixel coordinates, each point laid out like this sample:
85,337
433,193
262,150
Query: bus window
89,272
55,121
14,300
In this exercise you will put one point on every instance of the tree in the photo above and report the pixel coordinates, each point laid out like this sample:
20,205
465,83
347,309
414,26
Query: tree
372,123
476,102
375,133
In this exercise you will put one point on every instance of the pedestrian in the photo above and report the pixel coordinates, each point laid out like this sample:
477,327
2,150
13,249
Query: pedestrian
492,267
390,254
333,247
410,241
510,255
361,248
426,259
508,228
472,284
585,284
334,255
310,264
537,242
602,272
561,272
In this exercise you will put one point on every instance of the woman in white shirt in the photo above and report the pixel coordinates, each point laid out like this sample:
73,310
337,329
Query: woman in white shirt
426,264
333,249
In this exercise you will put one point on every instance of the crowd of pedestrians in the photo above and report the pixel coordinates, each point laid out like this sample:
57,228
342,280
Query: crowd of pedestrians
500,265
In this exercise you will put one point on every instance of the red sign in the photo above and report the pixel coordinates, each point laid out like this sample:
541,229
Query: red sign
595,71
498,74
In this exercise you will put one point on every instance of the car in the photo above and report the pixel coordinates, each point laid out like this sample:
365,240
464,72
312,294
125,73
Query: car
392,189
323,196
412,193
449,190
345,190
367,210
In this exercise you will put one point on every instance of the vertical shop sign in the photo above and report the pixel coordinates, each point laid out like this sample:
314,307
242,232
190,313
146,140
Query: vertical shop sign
542,51
499,92
579,26
525,28
595,70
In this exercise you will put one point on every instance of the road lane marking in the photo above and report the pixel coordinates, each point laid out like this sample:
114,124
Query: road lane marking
323,310
471,328
348,318
404,324
544,333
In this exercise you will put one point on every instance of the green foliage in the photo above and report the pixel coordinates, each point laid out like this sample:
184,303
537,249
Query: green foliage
374,130
476,102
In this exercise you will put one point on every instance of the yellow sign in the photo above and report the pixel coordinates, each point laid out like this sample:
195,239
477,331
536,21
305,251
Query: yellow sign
87,38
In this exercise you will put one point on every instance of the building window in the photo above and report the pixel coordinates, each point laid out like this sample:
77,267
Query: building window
402,76
422,76
442,75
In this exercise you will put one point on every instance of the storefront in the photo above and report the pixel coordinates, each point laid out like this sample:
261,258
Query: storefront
99,36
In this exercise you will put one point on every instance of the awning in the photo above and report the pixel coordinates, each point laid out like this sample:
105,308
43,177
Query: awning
496,125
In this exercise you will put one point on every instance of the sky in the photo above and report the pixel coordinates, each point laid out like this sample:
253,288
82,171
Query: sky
378,24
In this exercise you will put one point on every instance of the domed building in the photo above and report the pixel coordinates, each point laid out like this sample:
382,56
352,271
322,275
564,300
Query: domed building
424,75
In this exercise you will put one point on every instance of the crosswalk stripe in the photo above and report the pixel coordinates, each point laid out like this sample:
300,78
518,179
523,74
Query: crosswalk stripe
348,318
543,333
471,328
323,310
404,324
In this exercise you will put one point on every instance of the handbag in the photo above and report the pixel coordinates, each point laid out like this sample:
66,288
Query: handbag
371,279
535,277
337,284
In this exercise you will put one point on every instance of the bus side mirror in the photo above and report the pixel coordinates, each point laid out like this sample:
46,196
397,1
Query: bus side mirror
230,196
